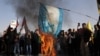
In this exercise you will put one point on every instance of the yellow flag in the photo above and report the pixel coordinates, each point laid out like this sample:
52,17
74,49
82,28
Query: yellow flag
89,26
99,11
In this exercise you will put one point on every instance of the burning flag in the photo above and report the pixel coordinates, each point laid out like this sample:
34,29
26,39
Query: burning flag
50,19
47,46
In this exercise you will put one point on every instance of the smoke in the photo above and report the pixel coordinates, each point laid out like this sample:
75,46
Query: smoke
29,9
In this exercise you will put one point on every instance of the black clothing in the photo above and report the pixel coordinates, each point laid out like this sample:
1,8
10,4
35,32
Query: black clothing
22,45
97,43
86,34
27,40
36,44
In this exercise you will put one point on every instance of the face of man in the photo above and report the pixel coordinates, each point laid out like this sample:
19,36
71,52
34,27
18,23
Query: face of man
84,25
73,30
11,29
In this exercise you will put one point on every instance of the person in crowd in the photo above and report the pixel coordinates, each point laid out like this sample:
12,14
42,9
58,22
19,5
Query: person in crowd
66,43
91,46
5,37
73,44
71,37
36,43
97,39
22,44
2,44
16,45
9,36
76,43
28,43
62,41
85,36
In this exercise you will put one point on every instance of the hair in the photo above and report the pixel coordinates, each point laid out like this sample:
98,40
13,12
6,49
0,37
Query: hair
84,24
69,30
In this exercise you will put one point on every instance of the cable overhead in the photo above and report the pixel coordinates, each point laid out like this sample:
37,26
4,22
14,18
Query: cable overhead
79,13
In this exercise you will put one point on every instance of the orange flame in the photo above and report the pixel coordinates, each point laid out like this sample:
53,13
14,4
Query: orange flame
47,46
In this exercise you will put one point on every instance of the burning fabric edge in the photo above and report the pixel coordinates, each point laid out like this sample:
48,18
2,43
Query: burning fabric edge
48,43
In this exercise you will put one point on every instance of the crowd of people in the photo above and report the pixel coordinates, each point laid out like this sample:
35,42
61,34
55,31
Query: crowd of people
12,43
80,42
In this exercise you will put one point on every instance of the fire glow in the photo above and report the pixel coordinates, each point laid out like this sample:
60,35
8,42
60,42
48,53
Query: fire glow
47,46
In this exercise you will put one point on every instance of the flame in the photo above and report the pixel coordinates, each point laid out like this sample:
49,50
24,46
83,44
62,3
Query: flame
47,46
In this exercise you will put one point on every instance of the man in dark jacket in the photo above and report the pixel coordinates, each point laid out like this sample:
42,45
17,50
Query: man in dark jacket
62,42
85,35
97,39
28,43
36,43
10,36
22,44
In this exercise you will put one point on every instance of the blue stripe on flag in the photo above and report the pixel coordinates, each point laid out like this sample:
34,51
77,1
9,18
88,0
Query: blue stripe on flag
60,22
42,17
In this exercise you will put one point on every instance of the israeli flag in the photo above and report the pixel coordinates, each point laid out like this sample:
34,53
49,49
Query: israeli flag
50,19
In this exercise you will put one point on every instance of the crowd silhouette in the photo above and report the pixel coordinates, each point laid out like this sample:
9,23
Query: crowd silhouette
80,42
